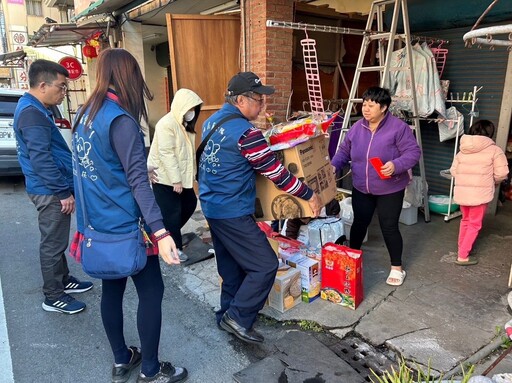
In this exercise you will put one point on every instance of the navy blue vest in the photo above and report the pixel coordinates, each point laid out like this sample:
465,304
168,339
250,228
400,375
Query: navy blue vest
226,179
111,207
58,148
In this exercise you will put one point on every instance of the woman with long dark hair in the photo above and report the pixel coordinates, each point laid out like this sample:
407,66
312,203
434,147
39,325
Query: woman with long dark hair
110,160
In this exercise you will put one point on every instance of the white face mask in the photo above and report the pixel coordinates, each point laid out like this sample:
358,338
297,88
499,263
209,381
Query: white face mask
189,116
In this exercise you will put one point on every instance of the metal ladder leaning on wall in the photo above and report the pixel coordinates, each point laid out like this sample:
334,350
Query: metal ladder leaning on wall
377,12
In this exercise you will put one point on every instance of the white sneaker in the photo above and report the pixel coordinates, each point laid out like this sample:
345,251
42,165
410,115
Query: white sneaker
182,256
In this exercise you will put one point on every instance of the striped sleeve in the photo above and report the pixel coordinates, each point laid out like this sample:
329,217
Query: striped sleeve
253,146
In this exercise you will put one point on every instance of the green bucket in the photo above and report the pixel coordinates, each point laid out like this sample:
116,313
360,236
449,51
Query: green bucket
439,204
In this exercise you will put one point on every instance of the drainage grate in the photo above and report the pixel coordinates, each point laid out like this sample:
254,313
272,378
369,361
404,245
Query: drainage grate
362,357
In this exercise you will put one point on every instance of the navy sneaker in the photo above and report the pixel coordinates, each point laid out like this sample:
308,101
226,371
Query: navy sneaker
64,304
75,286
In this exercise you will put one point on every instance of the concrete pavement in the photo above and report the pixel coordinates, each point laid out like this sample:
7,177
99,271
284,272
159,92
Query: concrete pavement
444,315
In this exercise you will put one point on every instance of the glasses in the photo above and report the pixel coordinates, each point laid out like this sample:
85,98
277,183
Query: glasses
258,100
63,88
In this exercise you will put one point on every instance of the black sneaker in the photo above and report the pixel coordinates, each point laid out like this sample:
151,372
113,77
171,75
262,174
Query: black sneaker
64,304
121,372
167,374
76,286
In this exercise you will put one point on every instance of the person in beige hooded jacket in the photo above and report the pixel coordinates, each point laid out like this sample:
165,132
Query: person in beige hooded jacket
477,168
172,152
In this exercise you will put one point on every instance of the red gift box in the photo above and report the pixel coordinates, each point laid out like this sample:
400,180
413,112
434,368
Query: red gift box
342,275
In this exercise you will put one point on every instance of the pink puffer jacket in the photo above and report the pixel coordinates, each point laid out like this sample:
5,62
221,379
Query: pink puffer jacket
478,166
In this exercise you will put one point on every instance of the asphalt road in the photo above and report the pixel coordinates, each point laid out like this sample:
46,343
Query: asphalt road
52,347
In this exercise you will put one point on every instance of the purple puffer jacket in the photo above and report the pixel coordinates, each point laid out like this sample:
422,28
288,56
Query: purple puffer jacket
392,141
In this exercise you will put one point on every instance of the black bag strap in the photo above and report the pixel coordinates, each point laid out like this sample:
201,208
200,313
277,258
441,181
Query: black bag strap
201,147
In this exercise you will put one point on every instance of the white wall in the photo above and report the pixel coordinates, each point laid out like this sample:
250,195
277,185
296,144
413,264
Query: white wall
155,77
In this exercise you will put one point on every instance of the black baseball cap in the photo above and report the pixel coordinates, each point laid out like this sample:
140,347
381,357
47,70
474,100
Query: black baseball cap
247,82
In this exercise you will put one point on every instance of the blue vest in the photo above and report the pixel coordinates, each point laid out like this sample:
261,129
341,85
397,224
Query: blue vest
58,148
111,207
226,179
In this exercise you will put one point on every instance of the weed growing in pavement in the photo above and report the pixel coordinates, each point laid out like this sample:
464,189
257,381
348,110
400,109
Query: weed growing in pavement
304,325
406,374
308,325
506,342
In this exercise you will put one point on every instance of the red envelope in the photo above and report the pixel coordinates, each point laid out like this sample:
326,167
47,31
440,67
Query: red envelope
377,165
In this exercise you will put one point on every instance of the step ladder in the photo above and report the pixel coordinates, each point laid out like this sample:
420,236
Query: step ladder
385,50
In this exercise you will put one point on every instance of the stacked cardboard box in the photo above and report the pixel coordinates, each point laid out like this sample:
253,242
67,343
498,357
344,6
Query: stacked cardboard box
310,276
286,291
308,161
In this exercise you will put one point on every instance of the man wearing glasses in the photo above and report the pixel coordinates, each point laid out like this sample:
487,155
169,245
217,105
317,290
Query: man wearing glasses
234,153
45,160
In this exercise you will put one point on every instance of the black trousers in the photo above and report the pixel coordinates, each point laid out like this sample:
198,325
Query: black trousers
176,209
389,207
150,291
247,265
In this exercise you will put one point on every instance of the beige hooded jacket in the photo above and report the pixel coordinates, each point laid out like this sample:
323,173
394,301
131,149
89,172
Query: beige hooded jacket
173,148
478,166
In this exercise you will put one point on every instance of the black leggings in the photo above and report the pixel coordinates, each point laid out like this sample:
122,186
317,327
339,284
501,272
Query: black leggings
389,207
176,208
150,290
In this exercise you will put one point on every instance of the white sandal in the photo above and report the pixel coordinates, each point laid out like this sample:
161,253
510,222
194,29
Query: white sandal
396,277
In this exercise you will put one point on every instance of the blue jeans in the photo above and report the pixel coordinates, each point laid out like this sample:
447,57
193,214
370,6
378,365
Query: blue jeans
54,229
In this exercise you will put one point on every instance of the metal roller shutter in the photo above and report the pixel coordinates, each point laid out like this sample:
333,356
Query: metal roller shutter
465,68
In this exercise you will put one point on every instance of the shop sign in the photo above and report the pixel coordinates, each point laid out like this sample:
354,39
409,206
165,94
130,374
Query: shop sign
18,37
22,79
74,67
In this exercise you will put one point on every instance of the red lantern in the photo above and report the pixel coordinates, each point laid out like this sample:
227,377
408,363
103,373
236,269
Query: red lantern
89,51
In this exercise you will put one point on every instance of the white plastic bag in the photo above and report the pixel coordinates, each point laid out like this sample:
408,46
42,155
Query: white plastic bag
347,214
323,230
414,192
453,125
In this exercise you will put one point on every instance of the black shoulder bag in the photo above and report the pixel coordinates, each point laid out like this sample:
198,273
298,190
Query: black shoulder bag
200,148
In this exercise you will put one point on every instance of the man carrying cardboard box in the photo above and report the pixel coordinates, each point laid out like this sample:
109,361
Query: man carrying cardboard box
233,154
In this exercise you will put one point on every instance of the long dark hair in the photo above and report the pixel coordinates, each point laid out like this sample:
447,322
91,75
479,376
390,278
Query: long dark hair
117,68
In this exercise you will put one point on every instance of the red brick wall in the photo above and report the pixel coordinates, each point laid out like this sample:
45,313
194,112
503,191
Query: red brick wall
269,50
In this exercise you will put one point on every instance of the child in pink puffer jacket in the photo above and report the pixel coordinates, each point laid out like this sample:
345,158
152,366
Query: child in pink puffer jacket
477,168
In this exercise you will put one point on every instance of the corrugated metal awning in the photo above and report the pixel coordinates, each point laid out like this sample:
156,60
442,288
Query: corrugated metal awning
101,6
63,34
12,59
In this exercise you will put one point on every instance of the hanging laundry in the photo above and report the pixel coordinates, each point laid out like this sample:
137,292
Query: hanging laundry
426,77
436,92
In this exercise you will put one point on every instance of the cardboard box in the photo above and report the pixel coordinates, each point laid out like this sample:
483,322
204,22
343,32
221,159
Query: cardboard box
286,291
310,276
310,163
342,275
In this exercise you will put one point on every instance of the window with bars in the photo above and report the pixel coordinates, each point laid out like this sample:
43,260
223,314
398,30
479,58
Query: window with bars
34,7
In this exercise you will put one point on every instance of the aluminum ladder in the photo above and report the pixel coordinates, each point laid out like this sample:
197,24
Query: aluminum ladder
386,44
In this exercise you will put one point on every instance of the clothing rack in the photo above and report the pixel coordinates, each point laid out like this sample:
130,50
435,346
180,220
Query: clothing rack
314,27
432,40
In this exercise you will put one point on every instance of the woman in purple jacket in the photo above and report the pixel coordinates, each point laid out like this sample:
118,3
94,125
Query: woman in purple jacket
379,135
